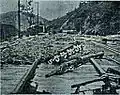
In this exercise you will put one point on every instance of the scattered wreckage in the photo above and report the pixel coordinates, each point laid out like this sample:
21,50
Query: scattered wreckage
111,77
69,60
73,64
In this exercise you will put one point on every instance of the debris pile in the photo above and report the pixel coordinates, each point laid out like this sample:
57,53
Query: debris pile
72,60
27,49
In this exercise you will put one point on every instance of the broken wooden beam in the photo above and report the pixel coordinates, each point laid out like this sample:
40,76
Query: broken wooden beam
97,67
65,67
77,55
77,86
86,57
85,83
105,77
72,64
97,55
114,71
26,78
63,54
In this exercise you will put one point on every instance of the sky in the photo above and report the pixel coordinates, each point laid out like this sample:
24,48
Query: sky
49,9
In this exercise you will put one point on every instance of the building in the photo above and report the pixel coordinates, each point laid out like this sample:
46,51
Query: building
35,29
7,31
69,31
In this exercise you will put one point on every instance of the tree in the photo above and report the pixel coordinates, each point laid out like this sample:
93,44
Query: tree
27,10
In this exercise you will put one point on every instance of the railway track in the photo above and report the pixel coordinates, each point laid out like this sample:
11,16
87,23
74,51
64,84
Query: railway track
107,47
33,74
99,44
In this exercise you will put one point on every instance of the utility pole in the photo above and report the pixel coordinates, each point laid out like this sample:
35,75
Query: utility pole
37,12
19,30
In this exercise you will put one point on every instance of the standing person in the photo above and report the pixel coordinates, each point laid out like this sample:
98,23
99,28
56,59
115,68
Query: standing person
82,49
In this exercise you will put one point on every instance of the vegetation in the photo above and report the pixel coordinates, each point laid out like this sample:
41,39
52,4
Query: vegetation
96,18
10,19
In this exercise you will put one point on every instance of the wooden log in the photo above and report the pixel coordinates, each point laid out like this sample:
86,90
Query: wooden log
65,67
26,78
63,54
97,67
114,71
85,83
58,53
72,64
78,55
63,50
99,55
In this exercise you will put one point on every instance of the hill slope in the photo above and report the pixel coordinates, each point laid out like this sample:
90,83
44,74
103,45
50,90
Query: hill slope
11,19
97,18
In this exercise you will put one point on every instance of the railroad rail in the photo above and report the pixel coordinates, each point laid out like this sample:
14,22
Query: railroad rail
107,47
103,46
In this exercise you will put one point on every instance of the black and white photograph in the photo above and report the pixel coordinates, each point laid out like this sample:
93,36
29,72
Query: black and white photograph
60,47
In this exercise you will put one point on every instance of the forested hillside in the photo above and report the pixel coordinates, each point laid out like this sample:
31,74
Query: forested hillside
97,18
9,24
11,18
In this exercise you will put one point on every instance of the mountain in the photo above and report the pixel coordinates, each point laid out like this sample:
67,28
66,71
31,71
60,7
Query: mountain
10,18
9,24
91,17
